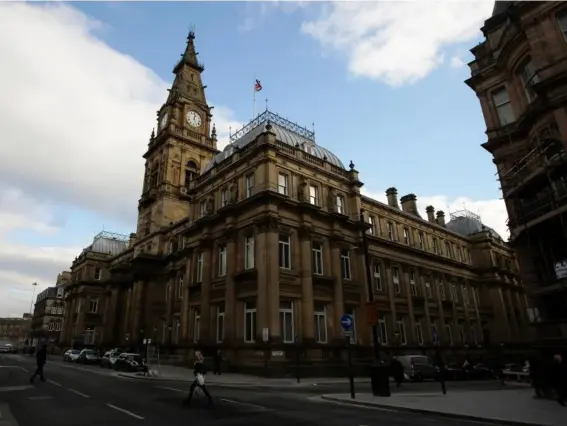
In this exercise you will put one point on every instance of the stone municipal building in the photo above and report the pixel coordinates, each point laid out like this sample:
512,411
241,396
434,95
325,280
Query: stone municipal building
263,241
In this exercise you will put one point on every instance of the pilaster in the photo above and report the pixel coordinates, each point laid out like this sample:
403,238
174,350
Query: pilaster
389,285
185,301
205,309
405,284
230,289
338,299
307,306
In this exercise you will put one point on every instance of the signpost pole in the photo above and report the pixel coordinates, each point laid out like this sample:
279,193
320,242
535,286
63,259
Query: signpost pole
350,372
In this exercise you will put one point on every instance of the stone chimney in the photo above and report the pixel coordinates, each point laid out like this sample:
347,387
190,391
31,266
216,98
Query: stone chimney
430,213
132,239
409,204
392,194
441,218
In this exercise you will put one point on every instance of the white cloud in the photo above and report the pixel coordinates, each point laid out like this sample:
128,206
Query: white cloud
397,42
75,119
492,212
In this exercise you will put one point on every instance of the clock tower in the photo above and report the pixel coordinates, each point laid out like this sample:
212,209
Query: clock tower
180,149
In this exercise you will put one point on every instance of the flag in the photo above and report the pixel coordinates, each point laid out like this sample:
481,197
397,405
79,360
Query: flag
257,86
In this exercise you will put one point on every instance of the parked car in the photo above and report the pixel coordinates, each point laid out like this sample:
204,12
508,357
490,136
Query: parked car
419,367
72,355
129,362
88,356
108,359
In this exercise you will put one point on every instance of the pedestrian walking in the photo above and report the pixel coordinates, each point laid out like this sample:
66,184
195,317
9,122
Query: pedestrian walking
41,359
397,370
199,382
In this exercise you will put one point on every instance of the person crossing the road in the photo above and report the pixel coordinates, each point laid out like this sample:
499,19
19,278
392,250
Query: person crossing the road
199,381
41,359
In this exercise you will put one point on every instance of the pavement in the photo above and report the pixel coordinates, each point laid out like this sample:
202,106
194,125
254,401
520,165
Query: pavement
92,396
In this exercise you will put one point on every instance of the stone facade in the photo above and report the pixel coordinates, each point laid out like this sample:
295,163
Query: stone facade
264,240
15,329
519,75
49,311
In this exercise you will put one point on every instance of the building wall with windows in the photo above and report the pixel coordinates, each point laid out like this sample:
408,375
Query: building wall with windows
519,75
49,313
263,241
14,329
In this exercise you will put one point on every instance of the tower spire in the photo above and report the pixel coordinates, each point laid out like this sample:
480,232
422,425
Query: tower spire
189,57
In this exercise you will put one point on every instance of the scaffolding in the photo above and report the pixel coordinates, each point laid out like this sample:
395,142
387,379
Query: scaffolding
464,213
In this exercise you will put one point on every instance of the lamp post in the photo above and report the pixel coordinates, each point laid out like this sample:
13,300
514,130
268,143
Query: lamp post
375,341
33,296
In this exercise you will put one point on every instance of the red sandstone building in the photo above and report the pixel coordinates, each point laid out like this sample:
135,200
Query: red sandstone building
519,75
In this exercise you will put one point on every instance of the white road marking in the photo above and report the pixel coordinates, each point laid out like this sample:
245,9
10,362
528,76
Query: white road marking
125,411
15,388
171,389
78,393
37,398
54,383
243,403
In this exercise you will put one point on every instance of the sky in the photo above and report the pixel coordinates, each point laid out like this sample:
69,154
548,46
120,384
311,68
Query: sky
80,83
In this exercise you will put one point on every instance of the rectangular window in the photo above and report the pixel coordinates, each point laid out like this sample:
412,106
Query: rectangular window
286,322
220,324
285,251
396,280
435,246
529,78
503,106
180,287
283,184
93,306
60,292
428,291
249,253
97,274
345,265
222,261
249,322
421,240
377,277
419,332
455,293
383,330
448,249
442,290
413,285
203,209
371,222
390,231
224,197
320,324
341,205
401,331
200,268
465,295
462,334
449,334
314,195
475,296
176,330
406,236
317,251
197,326
249,181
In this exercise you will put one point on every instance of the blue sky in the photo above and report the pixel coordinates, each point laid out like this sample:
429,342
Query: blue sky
383,90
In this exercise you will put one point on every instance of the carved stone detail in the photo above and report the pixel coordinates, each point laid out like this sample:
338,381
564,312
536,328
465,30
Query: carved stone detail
332,200
267,224
305,232
302,191
233,191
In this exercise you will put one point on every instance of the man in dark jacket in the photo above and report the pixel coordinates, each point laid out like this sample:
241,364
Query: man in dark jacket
41,359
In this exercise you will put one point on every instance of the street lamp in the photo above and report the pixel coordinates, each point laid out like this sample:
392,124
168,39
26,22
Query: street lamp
33,296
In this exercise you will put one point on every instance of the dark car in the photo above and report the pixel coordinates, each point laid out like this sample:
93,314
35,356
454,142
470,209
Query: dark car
88,356
418,367
129,362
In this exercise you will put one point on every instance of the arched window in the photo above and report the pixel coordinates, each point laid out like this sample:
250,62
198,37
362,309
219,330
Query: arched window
191,171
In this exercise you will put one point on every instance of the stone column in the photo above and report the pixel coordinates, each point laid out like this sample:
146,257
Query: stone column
262,280
232,246
405,284
205,309
185,302
127,321
273,275
338,299
307,306
389,285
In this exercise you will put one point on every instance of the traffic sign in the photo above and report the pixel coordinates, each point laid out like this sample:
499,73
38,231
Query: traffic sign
347,322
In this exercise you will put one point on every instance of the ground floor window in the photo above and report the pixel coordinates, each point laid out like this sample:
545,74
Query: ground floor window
249,322
320,324
286,321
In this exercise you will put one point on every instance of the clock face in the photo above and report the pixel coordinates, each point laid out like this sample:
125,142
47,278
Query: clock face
193,119
163,122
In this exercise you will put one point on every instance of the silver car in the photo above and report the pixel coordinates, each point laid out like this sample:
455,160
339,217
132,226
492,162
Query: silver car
72,355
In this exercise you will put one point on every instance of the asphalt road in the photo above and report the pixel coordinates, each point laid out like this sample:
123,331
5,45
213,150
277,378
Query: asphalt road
92,396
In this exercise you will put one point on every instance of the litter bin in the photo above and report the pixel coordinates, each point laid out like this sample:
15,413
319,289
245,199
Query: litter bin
380,379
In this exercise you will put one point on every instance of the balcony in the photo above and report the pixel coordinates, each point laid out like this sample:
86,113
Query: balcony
536,208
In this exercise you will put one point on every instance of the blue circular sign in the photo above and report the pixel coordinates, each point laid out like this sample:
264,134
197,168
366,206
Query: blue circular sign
347,322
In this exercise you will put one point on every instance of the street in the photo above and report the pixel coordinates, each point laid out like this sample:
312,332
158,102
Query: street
94,396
